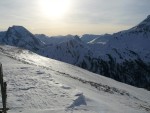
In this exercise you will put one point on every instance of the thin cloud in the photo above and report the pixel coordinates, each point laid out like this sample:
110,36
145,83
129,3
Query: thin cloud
89,13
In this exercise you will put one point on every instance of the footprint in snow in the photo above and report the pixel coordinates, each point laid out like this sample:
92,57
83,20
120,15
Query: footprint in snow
39,72
56,83
65,86
24,67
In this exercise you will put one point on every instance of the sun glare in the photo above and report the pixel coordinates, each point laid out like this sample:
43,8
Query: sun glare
54,8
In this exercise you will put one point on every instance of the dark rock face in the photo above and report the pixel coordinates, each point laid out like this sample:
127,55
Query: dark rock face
134,72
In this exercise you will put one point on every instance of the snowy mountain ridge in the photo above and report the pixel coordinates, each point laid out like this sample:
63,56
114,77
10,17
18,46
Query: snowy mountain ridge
71,51
53,39
123,56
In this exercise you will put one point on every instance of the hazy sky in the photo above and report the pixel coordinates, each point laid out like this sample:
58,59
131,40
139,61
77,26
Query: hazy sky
61,17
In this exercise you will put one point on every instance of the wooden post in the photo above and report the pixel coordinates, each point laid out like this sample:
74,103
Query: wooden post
1,76
4,96
3,89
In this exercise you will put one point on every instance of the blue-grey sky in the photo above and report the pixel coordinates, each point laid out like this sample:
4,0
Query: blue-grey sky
61,17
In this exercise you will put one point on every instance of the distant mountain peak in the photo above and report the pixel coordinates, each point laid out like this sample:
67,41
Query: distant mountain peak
21,37
17,26
146,21
20,29
76,37
148,17
144,25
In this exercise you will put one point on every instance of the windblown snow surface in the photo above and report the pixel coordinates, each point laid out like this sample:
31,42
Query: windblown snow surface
36,84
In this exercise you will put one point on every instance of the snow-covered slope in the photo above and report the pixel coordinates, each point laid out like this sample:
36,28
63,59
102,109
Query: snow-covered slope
41,85
21,37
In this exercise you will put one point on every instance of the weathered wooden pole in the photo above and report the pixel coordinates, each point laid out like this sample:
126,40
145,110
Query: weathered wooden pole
1,76
4,96
3,89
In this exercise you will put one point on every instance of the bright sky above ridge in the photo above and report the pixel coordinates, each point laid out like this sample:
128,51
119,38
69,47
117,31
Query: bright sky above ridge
61,17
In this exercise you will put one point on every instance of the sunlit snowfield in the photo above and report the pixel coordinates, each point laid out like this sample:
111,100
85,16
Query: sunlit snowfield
38,84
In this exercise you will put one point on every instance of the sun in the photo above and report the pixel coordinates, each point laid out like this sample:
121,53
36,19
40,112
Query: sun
54,8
